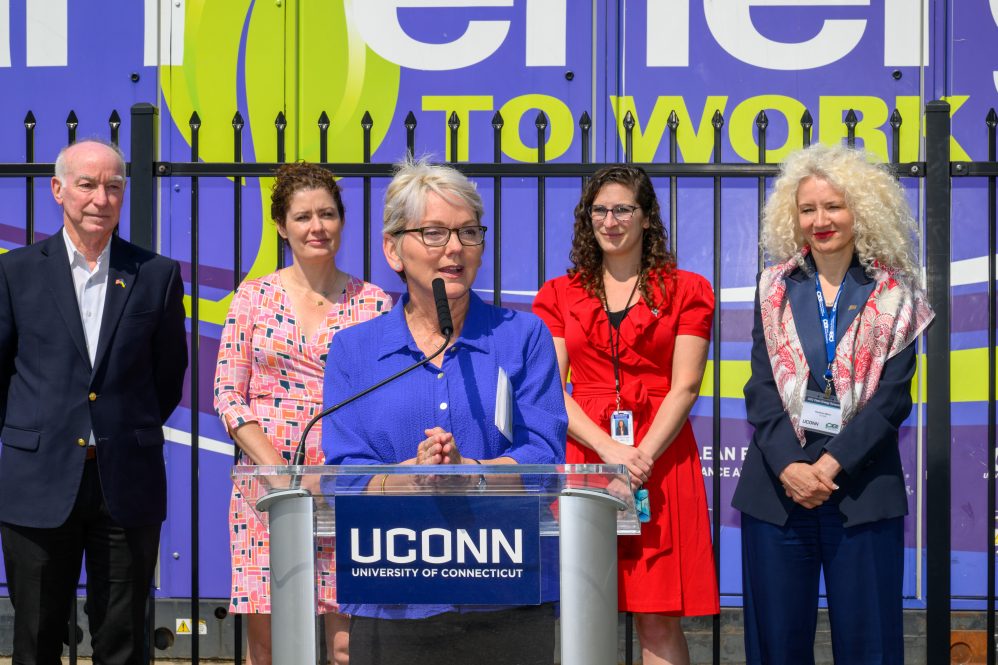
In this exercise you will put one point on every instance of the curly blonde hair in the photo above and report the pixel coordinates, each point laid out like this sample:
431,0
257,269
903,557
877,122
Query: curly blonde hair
886,232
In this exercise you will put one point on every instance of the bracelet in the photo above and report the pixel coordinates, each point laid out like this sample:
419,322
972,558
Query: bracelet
384,479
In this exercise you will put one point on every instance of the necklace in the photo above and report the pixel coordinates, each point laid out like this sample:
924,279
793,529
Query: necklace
321,297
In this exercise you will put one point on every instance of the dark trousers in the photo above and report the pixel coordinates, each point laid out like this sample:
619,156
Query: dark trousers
519,636
863,568
43,569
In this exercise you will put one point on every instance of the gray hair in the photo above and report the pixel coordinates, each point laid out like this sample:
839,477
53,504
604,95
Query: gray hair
405,200
60,160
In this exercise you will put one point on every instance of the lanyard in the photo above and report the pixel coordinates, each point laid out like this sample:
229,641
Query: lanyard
828,327
615,346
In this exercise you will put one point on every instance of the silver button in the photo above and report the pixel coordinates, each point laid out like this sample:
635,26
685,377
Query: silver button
443,406
440,375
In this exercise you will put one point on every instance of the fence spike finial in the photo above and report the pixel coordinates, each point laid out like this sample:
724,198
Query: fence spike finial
114,120
717,121
673,121
453,122
410,120
541,121
237,121
71,121
896,119
585,122
497,121
851,119
29,120
806,121
195,121
629,121
323,121
992,119
280,121
367,121
761,121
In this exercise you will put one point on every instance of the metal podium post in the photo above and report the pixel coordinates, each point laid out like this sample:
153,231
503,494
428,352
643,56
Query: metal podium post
292,576
588,550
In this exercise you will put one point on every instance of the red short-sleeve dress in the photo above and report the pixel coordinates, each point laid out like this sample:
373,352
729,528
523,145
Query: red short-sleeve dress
669,568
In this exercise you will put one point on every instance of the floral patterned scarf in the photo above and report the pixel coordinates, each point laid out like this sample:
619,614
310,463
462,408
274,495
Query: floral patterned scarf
891,319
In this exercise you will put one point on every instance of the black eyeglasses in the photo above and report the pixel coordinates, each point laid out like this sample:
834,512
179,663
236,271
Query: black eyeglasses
438,236
622,213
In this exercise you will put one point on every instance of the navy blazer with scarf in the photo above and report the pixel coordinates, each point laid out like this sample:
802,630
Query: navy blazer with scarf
51,398
871,484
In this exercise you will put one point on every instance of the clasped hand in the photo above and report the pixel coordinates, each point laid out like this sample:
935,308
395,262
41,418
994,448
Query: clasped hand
638,462
439,447
811,485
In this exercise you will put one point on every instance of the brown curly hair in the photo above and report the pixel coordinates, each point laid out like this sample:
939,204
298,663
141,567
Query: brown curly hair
657,262
289,179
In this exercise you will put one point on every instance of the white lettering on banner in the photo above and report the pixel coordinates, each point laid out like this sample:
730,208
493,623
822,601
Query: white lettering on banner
547,33
906,37
47,42
465,544
355,554
445,541
499,540
378,23
730,21
390,554
4,33
449,541
668,33
163,30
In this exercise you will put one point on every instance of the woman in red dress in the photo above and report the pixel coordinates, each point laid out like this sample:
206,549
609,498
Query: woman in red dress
634,330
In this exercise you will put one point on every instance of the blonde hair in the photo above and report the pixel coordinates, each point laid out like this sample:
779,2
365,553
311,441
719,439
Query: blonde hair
405,199
885,230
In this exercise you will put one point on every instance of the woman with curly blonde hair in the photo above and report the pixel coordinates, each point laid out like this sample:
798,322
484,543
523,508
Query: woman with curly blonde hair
822,490
635,331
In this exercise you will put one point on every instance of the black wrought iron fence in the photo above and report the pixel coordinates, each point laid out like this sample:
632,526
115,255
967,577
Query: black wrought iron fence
935,176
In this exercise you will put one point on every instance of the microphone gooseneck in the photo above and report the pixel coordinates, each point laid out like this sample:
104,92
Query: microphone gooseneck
446,329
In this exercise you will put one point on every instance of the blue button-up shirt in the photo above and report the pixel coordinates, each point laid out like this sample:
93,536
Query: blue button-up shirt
386,426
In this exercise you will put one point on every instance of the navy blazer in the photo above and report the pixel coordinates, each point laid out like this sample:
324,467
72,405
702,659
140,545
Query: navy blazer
871,484
51,398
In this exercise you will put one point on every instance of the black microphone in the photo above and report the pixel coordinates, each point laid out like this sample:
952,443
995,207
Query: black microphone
443,307
446,329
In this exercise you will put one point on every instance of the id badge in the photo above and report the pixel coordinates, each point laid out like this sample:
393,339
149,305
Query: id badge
821,414
622,427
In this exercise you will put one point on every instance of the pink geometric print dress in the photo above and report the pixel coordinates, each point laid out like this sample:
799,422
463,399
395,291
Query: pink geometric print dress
269,373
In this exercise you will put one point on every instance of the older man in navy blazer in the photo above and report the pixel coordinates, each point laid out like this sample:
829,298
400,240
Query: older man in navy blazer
93,354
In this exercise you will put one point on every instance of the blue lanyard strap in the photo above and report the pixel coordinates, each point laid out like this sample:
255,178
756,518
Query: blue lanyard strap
828,320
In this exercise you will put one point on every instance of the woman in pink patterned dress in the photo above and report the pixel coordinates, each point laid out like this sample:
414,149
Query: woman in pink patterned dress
268,382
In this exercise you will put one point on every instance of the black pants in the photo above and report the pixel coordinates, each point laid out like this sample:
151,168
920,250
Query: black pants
43,569
519,636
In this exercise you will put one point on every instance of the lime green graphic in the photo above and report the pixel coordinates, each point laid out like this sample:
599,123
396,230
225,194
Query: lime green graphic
300,57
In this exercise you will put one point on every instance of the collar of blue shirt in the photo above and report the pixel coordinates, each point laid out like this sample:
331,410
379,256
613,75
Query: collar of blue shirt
474,335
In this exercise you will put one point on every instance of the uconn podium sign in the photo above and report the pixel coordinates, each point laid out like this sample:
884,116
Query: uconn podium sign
452,550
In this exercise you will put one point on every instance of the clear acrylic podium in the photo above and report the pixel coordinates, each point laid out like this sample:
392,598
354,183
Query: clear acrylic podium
585,506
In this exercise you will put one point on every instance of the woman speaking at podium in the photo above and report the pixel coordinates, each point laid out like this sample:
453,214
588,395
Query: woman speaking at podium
449,411
268,381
